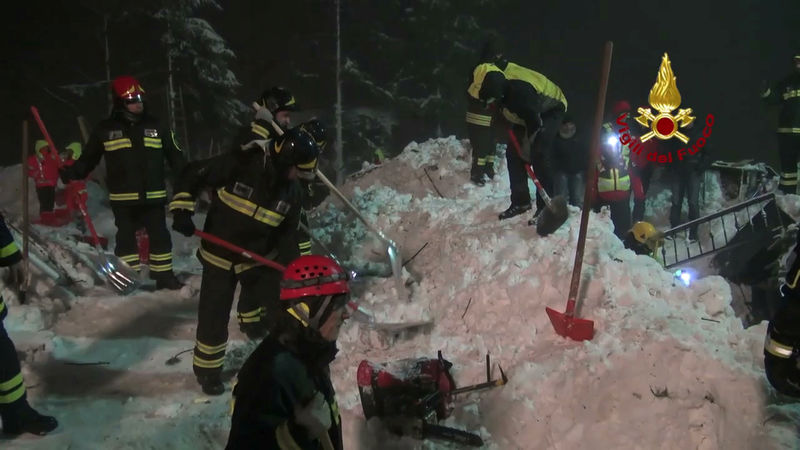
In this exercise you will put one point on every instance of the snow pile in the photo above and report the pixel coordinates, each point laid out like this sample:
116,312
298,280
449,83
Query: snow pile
670,366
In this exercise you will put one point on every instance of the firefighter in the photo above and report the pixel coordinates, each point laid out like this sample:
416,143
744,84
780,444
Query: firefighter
644,239
782,343
135,147
787,93
256,207
533,108
312,192
17,415
614,182
275,105
480,111
284,398
43,168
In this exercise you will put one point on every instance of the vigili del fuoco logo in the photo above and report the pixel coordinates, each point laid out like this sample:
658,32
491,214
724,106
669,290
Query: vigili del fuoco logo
664,98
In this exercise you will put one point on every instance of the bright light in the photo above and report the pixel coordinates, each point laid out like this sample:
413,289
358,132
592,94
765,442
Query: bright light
611,140
684,275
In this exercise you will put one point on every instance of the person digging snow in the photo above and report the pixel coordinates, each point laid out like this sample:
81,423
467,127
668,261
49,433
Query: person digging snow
284,398
135,147
256,207
17,415
782,343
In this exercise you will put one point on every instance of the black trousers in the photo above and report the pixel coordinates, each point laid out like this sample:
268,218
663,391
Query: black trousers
685,183
481,138
645,175
260,292
152,218
541,160
789,152
47,198
12,388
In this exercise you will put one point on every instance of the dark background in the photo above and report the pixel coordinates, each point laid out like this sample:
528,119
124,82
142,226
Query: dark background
721,53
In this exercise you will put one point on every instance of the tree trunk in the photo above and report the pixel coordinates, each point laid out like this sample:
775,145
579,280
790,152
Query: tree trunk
339,164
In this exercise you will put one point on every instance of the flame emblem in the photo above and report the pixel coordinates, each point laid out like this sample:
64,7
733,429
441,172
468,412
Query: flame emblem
664,97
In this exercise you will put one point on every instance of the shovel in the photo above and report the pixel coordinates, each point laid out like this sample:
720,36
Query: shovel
115,271
555,211
394,253
566,324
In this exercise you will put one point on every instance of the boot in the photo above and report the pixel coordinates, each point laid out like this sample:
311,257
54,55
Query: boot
211,384
514,210
535,219
167,280
27,420
477,179
255,331
489,171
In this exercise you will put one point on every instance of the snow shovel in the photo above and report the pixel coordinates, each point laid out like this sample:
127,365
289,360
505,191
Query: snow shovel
392,250
566,324
115,271
555,212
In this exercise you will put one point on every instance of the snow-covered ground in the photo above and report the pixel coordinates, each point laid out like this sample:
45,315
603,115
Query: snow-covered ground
670,366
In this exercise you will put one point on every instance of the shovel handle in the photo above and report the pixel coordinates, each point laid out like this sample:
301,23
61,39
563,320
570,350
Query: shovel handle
235,248
47,137
89,224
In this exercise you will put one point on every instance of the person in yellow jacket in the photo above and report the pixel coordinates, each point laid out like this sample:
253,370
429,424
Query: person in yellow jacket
484,89
614,185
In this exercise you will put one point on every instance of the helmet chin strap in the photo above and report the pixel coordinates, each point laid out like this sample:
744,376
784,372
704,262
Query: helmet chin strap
313,321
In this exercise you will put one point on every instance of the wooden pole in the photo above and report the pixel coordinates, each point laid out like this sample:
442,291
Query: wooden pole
25,214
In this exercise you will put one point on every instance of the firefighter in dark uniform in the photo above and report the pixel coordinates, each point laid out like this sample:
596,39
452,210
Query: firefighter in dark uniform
17,415
256,206
135,147
284,398
534,107
787,93
480,111
782,344
313,193
275,107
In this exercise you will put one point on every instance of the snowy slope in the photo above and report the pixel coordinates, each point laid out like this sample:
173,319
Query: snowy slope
670,366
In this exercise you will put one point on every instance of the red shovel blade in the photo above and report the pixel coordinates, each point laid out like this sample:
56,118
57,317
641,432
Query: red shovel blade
572,327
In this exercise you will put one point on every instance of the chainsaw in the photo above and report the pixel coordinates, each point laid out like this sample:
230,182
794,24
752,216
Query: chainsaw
411,396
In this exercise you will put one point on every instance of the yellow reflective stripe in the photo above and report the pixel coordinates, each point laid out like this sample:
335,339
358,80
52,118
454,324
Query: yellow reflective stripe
12,396
181,204
788,130
793,284
2,305
210,349
156,194
777,349
479,119
160,267
124,196
791,94
481,162
294,314
152,142
208,364
490,159
241,267
284,438
117,144
259,130
304,245
130,258
335,409
249,319
237,203
268,217
135,267
8,250
222,263
253,313
13,382
160,256
182,196
787,182
308,166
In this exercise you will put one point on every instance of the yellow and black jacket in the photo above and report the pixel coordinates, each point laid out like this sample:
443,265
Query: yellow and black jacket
257,130
251,207
786,93
135,153
529,94
271,384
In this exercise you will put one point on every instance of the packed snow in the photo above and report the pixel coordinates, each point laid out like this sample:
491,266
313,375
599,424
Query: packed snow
670,366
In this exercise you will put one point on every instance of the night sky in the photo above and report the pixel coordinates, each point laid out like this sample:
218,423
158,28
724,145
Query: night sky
721,51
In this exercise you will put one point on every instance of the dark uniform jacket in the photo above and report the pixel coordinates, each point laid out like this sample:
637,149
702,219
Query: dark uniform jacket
251,207
271,384
571,155
528,95
9,254
135,154
786,93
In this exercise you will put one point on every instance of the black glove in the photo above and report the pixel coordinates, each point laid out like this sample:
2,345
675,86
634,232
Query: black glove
182,222
65,173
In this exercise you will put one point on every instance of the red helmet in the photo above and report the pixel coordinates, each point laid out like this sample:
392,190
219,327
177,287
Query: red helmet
621,107
313,275
126,87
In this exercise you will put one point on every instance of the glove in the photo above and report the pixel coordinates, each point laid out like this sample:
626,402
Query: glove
314,416
65,173
264,114
182,222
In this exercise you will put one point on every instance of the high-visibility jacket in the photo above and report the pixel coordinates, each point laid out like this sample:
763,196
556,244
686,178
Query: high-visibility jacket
135,153
528,95
787,94
251,207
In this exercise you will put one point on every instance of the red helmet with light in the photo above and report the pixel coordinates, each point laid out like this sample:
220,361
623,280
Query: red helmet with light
126,87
